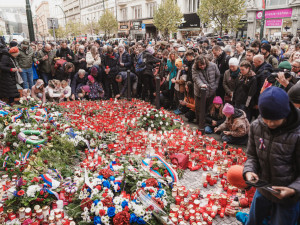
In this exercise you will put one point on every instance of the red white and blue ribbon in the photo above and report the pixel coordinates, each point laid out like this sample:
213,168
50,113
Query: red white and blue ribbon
262,145
5,159
15,117
50,191
50,181
58,173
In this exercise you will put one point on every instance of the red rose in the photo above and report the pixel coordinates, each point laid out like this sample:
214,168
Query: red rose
102,212
99,187
122,218
49,138
52,129
163,118
108,202
147,124
159,128
48,127
8,143
57,125
48,132
35,151
14,133
151,182
21,193
152,117
45,161
10,127
106,173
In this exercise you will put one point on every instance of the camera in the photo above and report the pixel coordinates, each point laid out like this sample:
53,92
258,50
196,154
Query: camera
272,78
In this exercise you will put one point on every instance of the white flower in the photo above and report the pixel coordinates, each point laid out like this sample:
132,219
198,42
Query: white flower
118,208
15,144
161,123
32,190
148,114
167,124
156,115
105,219
145,118
147,217
152,125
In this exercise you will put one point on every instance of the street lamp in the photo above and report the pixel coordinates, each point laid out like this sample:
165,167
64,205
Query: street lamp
262,23
63,13
29,21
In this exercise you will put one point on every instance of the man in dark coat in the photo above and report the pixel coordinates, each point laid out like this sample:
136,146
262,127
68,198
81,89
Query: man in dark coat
111,69
262,71
122,78
222,61
64,52
9,67
273,155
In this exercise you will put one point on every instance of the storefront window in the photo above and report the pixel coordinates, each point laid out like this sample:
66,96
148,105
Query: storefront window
276,2
193,5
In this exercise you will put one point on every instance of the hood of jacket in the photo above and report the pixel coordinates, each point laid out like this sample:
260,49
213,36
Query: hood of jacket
237,113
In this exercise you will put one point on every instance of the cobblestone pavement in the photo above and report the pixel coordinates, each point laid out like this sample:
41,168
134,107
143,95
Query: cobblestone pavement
193,179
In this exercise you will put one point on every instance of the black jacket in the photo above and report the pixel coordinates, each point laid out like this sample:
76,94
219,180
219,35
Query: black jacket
245,89
223,62
133,78
262,72
8,84
150,63
112,63
216,117
126,59
63,53
189,64
278,161
77,81
82,64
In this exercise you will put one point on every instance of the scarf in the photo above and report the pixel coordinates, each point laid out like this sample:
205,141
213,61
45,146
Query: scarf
234,74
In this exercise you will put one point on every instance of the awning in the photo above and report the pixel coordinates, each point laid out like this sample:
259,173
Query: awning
190,29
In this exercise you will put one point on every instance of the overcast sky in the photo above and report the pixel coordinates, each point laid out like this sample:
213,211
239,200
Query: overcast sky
19,3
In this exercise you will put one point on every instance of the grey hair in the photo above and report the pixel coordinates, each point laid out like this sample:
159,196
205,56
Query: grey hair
81,47
259,57
81,71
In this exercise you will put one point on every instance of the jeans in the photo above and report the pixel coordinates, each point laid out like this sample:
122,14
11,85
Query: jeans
234,140
27,76
46,77
262,208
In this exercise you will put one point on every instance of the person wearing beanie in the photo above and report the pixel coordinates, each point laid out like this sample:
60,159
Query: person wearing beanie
13,44
214,117
294,95
230,79
236,126
273,155
269,58
96,90
9,67
287,83
25,60
38,91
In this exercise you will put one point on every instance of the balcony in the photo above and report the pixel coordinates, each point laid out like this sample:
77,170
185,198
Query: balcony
122,3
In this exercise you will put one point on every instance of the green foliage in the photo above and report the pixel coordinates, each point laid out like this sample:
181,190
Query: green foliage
167,17
108,22
222,14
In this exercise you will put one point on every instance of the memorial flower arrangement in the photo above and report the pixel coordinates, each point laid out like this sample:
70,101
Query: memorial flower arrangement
155,119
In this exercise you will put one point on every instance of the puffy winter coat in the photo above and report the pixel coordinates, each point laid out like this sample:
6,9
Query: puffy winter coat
8,84
274,155
26,58
210,76
237,124
126,59
229,82
112,63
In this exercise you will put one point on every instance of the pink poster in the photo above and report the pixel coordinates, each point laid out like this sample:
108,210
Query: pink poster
274,23
277,13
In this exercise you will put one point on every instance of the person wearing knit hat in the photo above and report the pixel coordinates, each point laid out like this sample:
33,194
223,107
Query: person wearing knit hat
294,95
285,65
236,126
214,117
14,50
273,156
233,62
13,44
266,52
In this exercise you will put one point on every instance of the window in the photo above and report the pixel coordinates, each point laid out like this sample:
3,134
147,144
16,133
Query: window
193,5
137,12
276,2
151,7
124,14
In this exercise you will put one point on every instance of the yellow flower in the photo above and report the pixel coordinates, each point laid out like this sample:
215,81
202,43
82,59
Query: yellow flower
6,123
18,120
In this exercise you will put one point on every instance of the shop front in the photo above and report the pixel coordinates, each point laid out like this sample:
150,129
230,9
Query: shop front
278,23
137,30
151,31
124,28
190,26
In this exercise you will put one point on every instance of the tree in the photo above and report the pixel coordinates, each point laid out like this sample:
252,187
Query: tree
167,17
223,14
60,32
92,28
108,22
73,28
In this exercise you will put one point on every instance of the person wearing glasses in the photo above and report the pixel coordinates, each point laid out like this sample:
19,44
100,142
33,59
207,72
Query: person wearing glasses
287,84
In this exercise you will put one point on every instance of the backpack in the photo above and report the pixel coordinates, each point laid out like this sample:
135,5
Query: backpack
59,63
140,64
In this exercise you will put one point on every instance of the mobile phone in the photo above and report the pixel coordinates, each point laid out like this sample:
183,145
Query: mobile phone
272,190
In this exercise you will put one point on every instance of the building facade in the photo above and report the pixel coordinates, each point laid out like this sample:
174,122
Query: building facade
72,10
42,13
282,18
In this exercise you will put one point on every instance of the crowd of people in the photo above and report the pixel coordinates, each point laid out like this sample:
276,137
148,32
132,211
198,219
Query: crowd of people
233,72
243,81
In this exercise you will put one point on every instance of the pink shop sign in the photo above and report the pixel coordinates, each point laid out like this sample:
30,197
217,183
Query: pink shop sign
274,23
277,13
